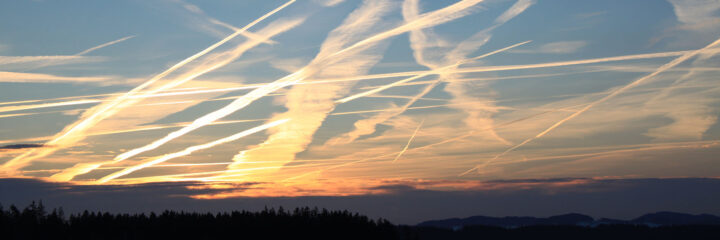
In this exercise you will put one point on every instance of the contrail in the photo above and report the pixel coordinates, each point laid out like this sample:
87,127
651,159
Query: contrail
189,150
681,79
308,107
661,69
183,176
181,124
426,146
431,19
409,141
46,105
635,148
510,67
368,125
196,10
86,51
477,116
435,71
21,160
74,97
25,59
437,17
406,74
73,132
40,77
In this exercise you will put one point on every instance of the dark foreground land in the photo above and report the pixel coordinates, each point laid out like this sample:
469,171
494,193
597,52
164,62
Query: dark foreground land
35,222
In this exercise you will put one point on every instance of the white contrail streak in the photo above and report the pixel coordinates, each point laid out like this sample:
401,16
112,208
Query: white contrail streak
510,67
424,147
441,70
661,69
86,51
189,150
73,133
409,141
46,105
406,74
366,126
431,19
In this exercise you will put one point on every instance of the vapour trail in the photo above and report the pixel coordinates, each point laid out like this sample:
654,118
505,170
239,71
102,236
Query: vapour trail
638,147
308,106
363,160
196,10
420,41
79,54
191,92
431,19
219,174
183,124
367,126
681,79
512,67
426,20
481,115
409,141
73,133
86,51
41,77
46,105
661,69
441,71
14,163
414,73
339,113
74,97
471,133
189,150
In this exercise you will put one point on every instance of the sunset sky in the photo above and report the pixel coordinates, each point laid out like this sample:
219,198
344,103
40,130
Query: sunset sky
351,99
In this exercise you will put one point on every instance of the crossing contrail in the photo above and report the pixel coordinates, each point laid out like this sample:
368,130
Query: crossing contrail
190,150
409,141
73,133
440,71
637,82
406,74
449,140
430,19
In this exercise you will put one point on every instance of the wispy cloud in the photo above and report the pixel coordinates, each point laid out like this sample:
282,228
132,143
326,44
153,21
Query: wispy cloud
612,94
189,150
697,15
74,132
21,146
308,106
323,58
564,47
39,77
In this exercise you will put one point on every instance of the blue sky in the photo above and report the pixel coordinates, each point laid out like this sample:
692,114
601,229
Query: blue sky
336,98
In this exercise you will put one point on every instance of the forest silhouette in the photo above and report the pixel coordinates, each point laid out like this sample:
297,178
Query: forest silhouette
37,222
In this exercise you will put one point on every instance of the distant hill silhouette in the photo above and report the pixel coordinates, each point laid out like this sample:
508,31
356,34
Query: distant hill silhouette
454,223
671,218
36,222
574,219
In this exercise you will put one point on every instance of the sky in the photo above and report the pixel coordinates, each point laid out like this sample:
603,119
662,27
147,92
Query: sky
333,102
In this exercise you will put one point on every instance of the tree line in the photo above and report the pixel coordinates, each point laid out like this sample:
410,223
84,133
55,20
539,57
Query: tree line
36,222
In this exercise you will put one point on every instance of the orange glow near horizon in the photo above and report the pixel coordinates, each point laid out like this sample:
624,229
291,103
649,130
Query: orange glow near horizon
349,98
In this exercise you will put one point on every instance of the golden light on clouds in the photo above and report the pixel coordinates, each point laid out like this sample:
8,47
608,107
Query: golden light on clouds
344,98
